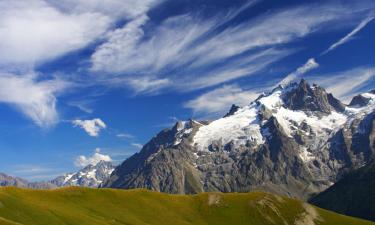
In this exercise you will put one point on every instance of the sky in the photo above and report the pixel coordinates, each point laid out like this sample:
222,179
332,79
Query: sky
89,80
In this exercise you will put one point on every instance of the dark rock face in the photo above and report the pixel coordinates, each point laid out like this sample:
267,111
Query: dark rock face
353,195
312,98
162,165
233,109
295,141
359,100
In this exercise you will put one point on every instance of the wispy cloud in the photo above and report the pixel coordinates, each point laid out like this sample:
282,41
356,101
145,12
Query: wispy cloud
312,64
308,66
218,101
187,52
92,127
137,145
346,84
33,32
125,136
35,99
115,9
83,105
349,36
37,31
32,172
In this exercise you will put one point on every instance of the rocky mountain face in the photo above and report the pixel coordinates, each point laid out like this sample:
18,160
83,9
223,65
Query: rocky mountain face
296,140
90,176
353,195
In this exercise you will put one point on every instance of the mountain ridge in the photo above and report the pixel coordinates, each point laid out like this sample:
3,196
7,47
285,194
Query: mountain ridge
296,140
89,176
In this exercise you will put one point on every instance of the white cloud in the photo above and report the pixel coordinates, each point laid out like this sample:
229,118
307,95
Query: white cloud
308,66
346,84
218,101
35,99
33,31
349,36
147,84
92,127
137,145
37,31
186,51
125,136
82,161
114,8
83,105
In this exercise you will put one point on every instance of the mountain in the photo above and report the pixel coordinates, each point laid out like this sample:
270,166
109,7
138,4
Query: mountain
353,195
7,181
90,176
76,205
296,140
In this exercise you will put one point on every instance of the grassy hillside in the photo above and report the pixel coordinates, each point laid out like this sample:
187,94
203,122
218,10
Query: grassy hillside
106,206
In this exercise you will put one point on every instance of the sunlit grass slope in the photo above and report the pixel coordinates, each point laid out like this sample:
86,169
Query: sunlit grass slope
107,206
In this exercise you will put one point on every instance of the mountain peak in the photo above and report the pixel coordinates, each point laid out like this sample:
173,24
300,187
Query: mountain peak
89,176
313,98
362,99
233,109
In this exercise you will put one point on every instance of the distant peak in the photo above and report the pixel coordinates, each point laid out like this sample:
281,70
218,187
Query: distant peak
362,100
233,109
313,98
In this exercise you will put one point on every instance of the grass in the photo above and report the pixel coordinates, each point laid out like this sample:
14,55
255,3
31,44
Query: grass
108,206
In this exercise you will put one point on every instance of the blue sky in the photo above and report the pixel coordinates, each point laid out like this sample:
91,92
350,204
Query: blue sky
84,77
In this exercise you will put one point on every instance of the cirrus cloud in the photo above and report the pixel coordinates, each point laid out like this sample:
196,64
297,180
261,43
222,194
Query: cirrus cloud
35,99
219,100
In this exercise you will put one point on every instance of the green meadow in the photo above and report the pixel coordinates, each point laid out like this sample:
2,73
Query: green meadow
110,206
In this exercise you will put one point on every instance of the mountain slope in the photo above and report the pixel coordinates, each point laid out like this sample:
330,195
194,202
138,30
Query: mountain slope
353,195
296,140
107,206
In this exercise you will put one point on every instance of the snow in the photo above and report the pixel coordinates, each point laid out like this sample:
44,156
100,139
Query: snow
239,128
244,126
288,119
68,177
91,174
358,113
369,95
305,155
183,129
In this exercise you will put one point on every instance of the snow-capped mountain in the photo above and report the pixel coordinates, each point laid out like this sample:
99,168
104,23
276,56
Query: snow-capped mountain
295,140
90,176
